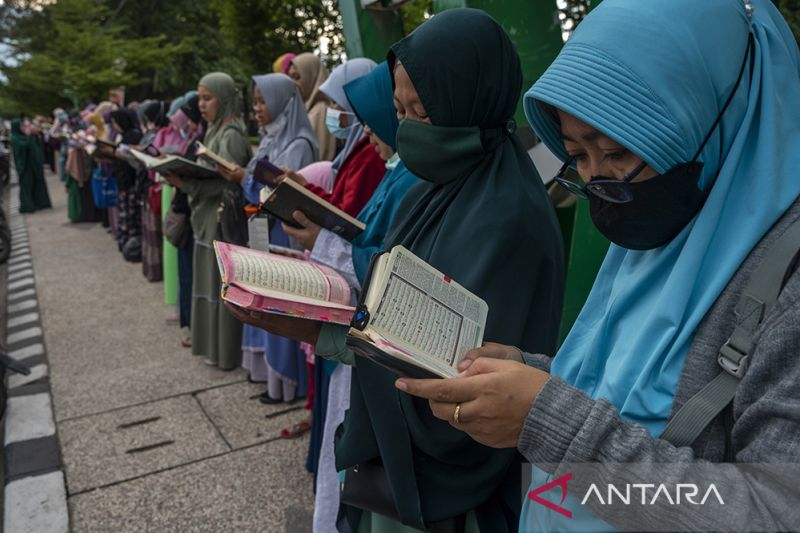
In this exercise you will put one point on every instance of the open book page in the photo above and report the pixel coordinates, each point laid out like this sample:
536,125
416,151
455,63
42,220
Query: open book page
211,157
424,312
275,275
148,160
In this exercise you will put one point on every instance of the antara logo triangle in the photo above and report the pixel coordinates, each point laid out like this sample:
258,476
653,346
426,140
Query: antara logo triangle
560,482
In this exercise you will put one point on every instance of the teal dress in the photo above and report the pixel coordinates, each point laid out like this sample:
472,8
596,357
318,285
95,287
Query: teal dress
29,162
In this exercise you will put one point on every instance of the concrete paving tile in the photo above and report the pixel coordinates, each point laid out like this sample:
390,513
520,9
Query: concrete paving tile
25,334
18,380
36,505
28,417
252,490
20,266
24,305
244,421
20,274
20,283
24,293
111,447
21,320
19,259
28,351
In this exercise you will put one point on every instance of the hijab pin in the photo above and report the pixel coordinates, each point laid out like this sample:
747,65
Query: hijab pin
511,126
749,8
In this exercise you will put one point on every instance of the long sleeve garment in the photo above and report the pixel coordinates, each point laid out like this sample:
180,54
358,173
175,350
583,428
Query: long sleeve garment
205,194
356,180
566,427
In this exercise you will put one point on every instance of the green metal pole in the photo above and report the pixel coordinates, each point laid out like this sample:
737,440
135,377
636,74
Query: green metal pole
369,33
535,30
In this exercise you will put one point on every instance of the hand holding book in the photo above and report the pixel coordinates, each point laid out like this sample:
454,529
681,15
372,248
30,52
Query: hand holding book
490,401
235,175
287,326
307,234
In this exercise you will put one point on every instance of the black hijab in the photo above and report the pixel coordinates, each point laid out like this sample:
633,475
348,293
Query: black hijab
192,109
128,121
156,112
492,228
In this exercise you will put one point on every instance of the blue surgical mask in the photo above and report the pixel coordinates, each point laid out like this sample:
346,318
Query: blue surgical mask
332,122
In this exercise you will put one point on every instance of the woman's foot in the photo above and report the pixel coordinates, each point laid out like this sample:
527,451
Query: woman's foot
297,429
251,380
266,399
186,338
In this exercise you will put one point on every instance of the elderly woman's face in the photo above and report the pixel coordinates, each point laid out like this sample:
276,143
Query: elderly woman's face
596,154
406,99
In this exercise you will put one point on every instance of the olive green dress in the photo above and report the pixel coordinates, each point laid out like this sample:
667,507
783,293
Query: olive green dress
216,334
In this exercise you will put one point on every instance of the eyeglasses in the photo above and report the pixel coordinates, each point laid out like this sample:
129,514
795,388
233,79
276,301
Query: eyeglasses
615,191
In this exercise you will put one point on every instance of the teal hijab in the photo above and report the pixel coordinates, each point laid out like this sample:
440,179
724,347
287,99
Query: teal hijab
657,90
494,231
370,97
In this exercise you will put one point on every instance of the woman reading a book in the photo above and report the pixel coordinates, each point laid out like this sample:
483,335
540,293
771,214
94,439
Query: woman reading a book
155,117
357,169
126,124
216,335
309,72
371,99
287,142
476,184
676,305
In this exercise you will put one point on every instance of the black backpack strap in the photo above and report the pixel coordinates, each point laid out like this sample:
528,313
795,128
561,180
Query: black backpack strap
755,302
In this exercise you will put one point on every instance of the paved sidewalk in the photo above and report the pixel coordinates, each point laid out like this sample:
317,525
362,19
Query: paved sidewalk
152,439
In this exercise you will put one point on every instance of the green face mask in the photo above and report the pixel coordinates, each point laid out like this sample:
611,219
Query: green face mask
439,154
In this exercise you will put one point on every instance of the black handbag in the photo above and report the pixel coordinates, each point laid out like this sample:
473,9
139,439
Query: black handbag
177,229
366,487
232,218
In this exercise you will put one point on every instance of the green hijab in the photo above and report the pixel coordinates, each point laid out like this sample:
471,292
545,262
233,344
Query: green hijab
486,221
229,109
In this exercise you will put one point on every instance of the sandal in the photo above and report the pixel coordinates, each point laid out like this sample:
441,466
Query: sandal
296,430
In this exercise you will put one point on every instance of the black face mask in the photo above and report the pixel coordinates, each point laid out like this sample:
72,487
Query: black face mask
661,207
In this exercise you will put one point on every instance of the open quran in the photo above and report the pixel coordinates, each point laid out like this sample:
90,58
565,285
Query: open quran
413,319
274,283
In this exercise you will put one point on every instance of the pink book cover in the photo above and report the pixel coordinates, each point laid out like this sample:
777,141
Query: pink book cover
338,291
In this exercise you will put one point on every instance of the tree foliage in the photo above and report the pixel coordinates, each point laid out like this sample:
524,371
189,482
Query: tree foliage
790,9
262,30
73,51
415,12
66,52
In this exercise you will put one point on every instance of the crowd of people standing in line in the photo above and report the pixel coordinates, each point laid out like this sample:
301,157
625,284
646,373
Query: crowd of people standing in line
673,129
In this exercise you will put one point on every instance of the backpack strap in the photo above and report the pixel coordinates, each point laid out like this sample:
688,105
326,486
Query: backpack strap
757,299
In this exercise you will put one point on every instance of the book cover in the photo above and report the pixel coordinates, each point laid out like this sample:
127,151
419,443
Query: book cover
289,197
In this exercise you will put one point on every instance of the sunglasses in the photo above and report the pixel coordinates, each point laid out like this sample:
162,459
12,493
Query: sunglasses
614,191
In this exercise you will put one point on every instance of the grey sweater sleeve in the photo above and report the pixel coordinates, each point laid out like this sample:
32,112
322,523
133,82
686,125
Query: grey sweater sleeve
565,427
537,360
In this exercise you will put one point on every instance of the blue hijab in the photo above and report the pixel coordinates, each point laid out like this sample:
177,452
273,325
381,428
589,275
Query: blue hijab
371,99
657,89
